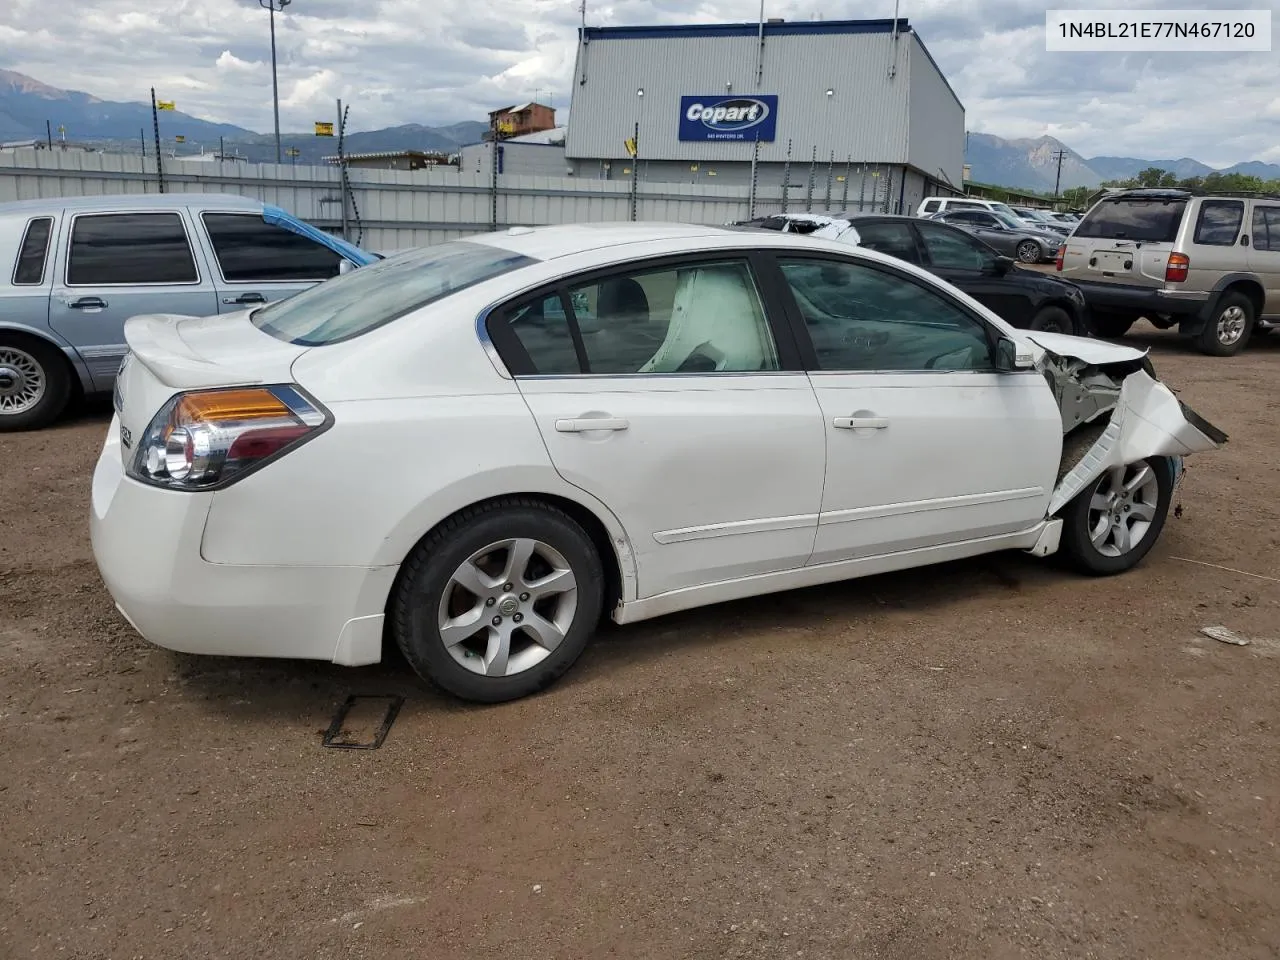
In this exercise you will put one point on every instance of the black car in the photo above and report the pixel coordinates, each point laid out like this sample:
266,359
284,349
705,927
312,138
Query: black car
1023,298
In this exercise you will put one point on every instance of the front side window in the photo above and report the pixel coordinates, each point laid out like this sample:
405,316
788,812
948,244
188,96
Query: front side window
863,319
1219,222
355,303
954,249
888,237
29,270
116,249
931,206
690,318
1266,228
250,250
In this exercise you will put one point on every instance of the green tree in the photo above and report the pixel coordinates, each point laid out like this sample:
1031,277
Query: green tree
1155,177
1076,196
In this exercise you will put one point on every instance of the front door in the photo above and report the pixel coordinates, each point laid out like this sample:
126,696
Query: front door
664,392
1264,253
118,265
970,264
926,444
258,262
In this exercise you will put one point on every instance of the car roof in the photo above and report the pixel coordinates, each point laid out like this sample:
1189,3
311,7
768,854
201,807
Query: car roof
132,201
551,242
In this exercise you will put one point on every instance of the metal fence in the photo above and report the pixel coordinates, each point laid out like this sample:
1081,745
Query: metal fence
388,210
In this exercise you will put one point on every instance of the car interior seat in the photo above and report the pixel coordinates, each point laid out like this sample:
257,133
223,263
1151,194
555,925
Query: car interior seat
716,324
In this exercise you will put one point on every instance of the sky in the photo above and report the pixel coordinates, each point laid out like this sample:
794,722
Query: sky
441,61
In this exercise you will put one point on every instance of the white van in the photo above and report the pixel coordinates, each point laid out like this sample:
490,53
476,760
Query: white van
931,205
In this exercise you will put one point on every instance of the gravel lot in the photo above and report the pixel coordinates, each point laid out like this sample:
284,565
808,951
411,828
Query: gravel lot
986,759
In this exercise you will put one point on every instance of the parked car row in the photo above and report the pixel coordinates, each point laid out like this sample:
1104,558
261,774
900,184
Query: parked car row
73,270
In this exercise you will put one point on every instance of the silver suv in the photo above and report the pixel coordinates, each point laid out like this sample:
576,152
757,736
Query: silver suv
72,270
1209,265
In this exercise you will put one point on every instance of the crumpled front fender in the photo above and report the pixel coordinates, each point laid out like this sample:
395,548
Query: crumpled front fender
1145,419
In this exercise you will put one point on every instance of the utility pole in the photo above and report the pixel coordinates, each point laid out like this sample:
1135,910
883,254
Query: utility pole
1057,182
155,122
273,6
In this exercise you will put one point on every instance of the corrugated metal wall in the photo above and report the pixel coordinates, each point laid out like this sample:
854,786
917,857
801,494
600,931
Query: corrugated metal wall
936,120
866,116
396,209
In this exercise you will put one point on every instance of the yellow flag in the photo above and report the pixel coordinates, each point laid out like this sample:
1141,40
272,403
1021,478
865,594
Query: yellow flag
166,105
324,129
180,138
630,144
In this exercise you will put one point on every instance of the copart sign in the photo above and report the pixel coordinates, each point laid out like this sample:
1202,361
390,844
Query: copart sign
722,117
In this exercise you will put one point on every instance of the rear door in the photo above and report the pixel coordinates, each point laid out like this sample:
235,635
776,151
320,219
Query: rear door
1264,253
666,392
1126,241
968,263
116,265
258,262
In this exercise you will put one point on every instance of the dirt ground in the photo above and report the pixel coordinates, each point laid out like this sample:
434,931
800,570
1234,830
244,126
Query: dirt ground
987,759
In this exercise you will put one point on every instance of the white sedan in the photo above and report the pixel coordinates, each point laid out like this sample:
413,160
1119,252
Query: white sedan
476,449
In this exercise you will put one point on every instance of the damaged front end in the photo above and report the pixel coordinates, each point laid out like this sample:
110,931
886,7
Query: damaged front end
1115,412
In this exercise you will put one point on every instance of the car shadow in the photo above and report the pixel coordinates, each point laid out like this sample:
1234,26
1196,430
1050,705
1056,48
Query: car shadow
1170,342
277,690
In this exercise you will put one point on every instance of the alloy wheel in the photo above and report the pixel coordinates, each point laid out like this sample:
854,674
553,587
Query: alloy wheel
22,381
1231,325
1029,251
1122,507
507,607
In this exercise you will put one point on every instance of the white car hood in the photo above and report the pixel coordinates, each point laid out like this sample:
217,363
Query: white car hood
1084,348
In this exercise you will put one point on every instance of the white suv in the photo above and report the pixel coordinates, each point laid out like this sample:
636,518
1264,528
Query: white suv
933,205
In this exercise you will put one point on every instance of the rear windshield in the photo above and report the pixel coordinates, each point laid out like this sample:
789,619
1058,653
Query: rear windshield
1152,221
368,297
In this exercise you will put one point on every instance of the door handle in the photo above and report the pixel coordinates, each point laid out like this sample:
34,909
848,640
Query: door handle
245,298
584,424
88,303
860,423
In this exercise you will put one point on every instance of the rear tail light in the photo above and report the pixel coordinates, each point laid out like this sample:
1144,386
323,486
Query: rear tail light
1062,252
209,438
1175,270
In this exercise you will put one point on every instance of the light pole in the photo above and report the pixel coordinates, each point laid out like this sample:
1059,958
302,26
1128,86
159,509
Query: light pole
273,6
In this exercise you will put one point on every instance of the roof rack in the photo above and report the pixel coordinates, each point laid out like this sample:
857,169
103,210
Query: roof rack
1180,193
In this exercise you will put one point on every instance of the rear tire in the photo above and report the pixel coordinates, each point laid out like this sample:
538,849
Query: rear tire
463,609
1227,330
1115,521
1053,320
1111,326
35,383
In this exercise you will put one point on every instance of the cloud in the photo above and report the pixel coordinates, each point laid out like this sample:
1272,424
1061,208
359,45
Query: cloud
442,61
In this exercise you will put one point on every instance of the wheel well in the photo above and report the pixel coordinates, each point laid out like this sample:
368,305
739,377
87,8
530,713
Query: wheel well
1251,289
585,518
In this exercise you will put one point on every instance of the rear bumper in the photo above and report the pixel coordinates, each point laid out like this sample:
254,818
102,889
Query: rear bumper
146,543
1125,298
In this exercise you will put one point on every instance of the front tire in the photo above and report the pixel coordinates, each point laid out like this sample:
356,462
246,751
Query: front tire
1030,252
1227,331
35,383
498,601
1052,320
1111,525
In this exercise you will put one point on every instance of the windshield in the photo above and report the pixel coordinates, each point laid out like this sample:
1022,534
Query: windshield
1150,221
1004,208
1009,220
357,302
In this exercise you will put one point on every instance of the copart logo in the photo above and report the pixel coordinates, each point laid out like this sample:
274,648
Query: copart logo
727,116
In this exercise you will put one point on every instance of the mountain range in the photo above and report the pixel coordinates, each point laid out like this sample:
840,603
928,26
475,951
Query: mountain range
1032,164
30,110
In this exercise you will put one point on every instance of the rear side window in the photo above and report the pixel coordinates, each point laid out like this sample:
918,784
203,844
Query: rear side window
33,253
250,250
894,239
1149,221
1219,222
116,249
1266,228
355,303
930,206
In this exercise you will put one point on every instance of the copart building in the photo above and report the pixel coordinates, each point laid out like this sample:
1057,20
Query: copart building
846,113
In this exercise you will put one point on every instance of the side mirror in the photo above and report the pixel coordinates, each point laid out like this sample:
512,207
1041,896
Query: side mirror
1002,265
345,266
1012,356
